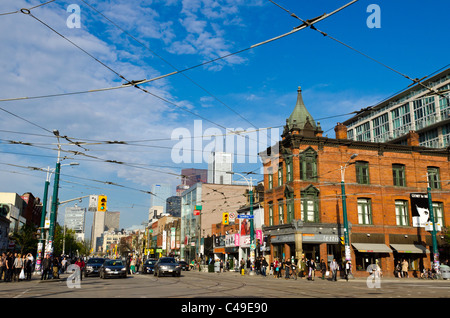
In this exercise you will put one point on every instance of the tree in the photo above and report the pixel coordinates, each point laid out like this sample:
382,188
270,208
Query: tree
26,239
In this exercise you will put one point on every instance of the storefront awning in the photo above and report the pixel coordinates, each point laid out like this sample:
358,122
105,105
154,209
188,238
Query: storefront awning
410,248
372,248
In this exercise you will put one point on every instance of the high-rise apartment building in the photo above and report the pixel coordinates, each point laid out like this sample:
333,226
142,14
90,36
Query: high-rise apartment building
75,219
423,108
219,164
161,192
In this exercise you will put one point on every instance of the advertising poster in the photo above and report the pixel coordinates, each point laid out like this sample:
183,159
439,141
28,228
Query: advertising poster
420,211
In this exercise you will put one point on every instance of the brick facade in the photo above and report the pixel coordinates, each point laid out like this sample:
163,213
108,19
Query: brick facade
310,167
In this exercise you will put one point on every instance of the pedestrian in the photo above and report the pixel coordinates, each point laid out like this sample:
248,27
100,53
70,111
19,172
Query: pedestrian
347,269
323,268
55,268
221,266
287,268
264,265
64,265
302,267
81,265
46,265
18,266
334,267
2,265
242,265
311,264
405,266
29,266
398,270
133,265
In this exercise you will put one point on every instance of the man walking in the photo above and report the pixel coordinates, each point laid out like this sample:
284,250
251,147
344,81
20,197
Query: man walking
46,267
334,268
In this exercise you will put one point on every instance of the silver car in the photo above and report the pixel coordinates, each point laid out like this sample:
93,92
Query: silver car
167,265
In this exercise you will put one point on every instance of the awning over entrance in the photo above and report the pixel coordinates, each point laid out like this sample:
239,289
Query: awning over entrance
372,248
410,248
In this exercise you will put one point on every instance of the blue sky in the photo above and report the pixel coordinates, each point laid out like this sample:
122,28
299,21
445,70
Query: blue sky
253,89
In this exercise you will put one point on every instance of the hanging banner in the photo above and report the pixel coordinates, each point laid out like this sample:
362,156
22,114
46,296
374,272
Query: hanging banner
420,211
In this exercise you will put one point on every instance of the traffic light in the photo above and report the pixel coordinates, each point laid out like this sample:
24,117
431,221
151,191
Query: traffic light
226,219
102,200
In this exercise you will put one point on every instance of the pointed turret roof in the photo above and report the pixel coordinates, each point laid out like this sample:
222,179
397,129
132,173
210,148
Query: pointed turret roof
300,115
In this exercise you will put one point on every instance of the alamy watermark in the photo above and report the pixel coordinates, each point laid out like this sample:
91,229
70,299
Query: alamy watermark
74,279
374,19
74,19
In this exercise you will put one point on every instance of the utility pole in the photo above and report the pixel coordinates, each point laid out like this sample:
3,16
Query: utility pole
433,231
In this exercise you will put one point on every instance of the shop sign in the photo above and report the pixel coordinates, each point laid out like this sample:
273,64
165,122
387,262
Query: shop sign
320,238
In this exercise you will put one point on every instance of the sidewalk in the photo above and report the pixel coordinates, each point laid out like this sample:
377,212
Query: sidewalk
339,279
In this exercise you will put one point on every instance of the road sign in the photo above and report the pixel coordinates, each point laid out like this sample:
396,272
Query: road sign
245,216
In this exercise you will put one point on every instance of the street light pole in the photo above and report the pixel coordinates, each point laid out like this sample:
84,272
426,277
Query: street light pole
54,208
433,231
348,256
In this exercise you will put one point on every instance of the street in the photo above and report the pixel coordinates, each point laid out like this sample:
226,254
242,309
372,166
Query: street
193,284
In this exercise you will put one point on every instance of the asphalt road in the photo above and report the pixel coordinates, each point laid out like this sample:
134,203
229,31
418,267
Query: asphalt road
193,284
223,293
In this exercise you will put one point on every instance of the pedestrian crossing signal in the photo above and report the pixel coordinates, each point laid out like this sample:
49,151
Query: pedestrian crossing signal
102,200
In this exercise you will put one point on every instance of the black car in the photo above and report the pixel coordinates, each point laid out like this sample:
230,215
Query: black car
93,265
167,265
184,265
113,268
149,265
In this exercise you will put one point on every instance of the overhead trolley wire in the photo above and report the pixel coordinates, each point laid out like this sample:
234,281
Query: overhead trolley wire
139,82
414,80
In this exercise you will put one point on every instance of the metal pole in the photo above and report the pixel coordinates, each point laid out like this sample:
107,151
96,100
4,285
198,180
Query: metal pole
344,213
433,232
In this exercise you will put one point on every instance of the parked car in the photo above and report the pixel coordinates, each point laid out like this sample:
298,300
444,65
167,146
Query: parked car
113,268
184,265
149,265
167,265
93,265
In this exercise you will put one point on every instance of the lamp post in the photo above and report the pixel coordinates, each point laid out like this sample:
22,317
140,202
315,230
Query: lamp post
344,209
433,231
44,212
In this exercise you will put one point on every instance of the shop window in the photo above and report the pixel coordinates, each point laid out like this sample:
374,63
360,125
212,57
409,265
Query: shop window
364,260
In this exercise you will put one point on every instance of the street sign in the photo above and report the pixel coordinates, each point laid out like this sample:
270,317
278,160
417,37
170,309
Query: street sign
245,216
93,203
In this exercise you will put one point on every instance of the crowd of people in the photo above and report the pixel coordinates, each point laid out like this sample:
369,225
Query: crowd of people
15,267
291,268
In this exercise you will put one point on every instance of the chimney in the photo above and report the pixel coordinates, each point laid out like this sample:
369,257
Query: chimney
341,131
412,138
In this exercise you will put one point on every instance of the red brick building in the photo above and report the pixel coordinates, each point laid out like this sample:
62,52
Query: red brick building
303,198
